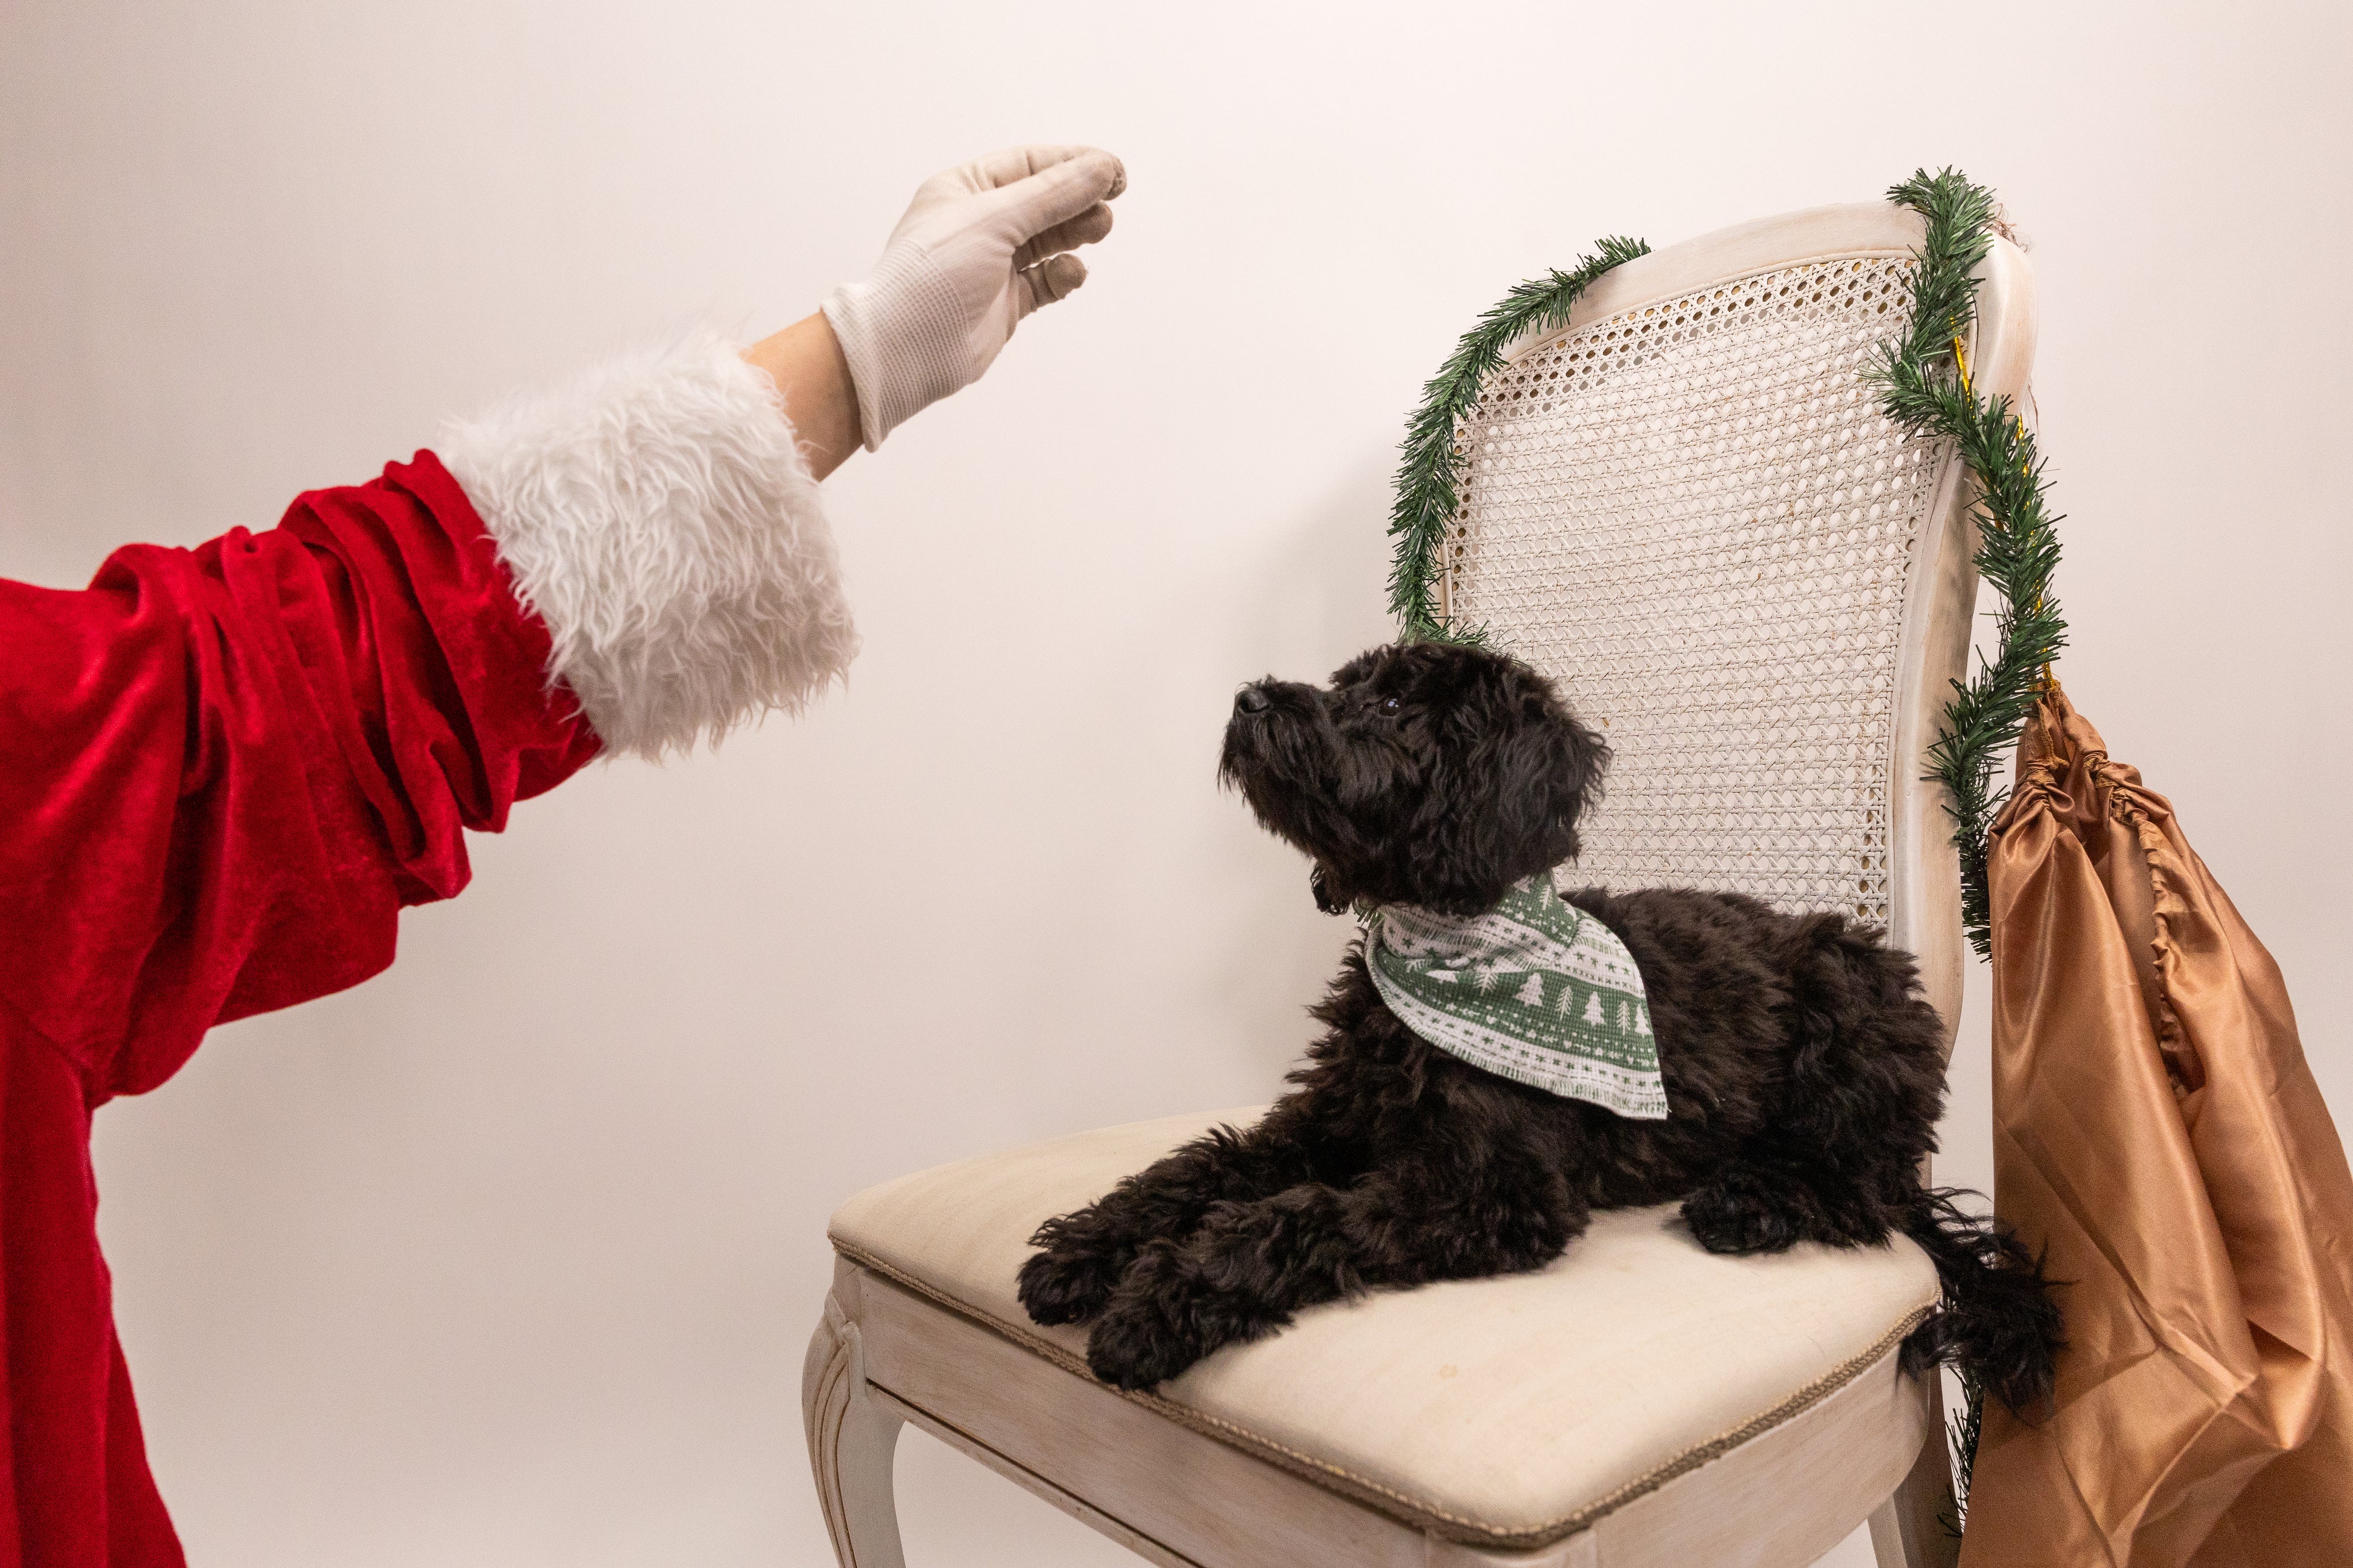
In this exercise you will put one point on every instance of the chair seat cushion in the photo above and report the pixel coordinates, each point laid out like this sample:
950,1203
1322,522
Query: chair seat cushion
1527,1404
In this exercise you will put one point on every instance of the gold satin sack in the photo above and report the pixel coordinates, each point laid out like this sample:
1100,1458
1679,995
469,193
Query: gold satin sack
2155,1127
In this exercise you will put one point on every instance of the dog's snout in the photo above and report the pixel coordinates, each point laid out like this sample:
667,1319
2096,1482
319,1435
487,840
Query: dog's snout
1252,699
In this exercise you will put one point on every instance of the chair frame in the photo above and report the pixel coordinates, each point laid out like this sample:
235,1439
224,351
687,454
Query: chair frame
886,1355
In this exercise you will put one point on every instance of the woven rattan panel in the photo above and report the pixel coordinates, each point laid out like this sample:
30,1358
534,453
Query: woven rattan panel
1694,516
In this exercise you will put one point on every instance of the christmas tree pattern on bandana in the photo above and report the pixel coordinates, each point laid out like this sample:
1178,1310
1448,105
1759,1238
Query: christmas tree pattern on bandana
1534,990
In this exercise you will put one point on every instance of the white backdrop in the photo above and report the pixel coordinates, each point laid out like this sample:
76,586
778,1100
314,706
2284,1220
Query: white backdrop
508,1257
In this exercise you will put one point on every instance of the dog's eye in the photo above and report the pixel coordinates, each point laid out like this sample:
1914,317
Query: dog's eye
1392,706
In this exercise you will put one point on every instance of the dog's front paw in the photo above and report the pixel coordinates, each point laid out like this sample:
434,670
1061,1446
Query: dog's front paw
1736,1215
1068,1284
1155,1326
1138,1348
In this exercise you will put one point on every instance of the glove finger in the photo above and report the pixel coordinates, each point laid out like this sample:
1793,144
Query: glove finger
1020,162
1008,166
1050,280
1027,208
1084,229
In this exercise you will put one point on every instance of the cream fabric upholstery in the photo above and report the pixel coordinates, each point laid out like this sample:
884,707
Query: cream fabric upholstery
1524,1406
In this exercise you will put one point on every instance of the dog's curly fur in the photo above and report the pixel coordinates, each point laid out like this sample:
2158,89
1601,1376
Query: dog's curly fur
1804,1072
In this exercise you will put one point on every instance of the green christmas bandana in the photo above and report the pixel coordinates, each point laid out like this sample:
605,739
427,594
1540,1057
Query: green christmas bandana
1536,989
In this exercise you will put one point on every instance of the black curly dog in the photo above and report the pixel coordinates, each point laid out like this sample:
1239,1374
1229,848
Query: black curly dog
1804,1071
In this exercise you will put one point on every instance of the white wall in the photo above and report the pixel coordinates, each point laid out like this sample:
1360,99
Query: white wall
509,1257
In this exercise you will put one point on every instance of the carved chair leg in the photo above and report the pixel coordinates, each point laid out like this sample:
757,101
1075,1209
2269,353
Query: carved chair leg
851,1439
1910,1528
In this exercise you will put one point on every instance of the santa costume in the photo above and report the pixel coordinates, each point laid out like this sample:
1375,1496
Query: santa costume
228,768
224,771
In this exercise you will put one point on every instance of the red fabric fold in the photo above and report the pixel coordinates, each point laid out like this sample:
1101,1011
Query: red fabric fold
223,771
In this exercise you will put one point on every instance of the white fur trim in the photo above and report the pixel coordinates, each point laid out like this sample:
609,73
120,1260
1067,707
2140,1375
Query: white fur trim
657,513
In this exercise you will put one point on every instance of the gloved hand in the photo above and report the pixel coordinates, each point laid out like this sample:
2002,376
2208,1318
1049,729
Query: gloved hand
981,246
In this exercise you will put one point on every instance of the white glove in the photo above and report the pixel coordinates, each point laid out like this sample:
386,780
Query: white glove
981,246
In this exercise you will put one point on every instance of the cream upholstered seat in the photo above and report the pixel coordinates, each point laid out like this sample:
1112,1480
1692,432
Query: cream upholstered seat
1686,506
1500,1412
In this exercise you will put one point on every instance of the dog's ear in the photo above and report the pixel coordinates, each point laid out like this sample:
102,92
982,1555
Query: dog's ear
1580,756
1526,772
1552,772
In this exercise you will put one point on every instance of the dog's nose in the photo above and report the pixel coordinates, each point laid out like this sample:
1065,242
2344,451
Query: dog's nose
1252,699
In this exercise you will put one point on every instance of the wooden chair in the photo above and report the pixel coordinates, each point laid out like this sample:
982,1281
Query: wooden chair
1686,506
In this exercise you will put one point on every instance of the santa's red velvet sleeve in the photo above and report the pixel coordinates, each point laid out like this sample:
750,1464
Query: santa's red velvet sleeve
225,770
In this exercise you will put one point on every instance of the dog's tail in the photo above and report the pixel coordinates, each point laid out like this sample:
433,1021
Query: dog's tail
1998,1323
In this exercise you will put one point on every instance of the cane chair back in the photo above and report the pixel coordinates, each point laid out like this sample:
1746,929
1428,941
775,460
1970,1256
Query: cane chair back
1688,508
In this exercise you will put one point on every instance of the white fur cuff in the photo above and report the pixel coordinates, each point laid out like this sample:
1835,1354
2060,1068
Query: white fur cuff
656,512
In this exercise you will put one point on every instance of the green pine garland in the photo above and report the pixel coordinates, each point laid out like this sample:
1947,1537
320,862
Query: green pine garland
1925,386
1924,381
1426,496
1961,1433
